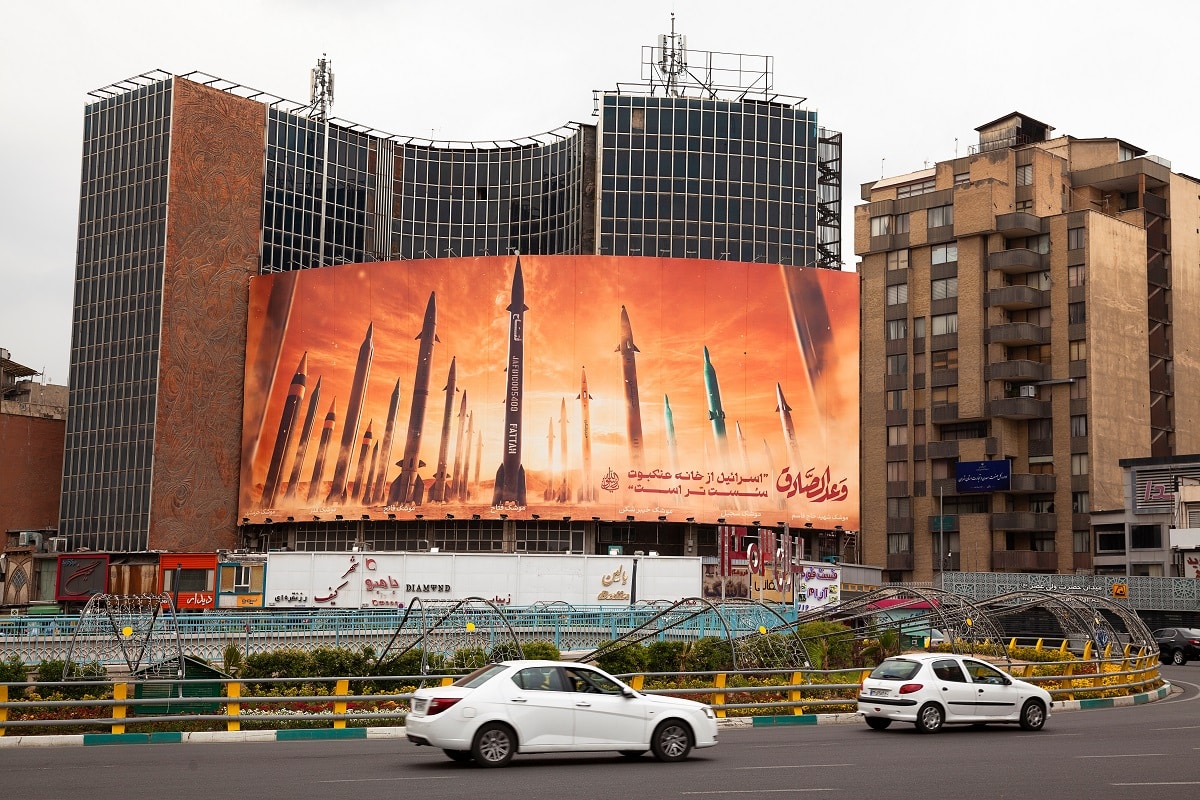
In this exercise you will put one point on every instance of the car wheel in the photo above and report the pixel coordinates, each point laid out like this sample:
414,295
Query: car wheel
878,723
672,741
632,753
458,755
1178,658
494,745
930,718
1033,716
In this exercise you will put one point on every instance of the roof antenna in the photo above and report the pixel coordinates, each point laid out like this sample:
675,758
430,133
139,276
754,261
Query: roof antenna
321,91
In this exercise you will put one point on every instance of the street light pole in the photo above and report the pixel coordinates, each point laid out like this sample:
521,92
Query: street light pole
941,537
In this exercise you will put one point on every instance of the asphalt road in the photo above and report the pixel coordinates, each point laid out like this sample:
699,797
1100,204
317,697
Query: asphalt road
1137,752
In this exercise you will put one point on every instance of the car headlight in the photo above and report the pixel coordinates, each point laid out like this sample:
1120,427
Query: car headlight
708,712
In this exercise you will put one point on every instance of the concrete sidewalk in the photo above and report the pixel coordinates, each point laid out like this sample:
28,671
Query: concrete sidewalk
90,739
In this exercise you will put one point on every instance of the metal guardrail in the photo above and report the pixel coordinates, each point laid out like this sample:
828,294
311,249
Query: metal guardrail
800,692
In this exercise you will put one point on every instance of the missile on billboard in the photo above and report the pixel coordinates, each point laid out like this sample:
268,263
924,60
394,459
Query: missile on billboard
587,492
549,490
464,487
367,438
318,472
358,390
402,490
283,437
510,476
672,443
456,492
369,486
633,407
564,490
478,459
310,417
716,412
438,492
385,451
789,428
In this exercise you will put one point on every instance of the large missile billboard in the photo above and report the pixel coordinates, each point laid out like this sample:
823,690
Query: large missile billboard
587,387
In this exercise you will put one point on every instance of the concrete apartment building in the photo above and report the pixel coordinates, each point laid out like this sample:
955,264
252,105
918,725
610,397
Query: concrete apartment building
32,424
1025,327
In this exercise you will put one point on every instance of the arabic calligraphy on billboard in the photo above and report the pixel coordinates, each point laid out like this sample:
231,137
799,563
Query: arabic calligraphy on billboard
564,386
983,476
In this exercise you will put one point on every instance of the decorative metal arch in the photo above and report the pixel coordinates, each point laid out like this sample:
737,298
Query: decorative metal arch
1081,615
446,626
1137,632
674,615
138,632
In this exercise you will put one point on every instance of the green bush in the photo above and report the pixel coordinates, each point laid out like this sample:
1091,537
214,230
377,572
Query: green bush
541,649
627,660
13,670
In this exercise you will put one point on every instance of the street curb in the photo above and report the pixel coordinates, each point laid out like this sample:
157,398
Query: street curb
306,735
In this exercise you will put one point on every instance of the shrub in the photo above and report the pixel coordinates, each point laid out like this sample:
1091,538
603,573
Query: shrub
665,656
541,649
13,670
627,660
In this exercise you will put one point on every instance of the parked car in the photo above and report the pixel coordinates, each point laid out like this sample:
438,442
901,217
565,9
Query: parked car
932,690
553,707
1178,645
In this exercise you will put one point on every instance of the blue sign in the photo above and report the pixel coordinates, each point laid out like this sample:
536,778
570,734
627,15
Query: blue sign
983,476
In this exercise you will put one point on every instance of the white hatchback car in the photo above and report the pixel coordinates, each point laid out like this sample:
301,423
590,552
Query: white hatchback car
932,690
553,707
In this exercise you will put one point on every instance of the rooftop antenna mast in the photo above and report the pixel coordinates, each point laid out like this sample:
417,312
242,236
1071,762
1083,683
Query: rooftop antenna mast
672,59
321,93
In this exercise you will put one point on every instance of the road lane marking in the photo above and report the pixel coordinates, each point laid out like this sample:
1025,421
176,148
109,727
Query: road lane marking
760,791
385,780
795,766
1125,755
1161,783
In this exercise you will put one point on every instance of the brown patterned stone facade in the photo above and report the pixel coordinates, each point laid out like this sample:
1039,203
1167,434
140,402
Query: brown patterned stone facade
213,231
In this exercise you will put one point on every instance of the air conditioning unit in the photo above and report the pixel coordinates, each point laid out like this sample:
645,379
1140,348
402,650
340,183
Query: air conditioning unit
1028,391
58,544
31,539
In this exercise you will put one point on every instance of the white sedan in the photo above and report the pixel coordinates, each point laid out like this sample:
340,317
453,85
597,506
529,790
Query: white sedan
553,707
932,690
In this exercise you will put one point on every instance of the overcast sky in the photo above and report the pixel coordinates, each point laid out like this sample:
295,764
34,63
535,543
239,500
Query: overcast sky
906,84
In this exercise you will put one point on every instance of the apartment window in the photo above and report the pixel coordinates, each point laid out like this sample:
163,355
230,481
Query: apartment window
1025,175
1079,389
1110,538
1077,275
897,435
1076,313
918,363
1078,425
881,226
943,288
916,188
944,323
897,471
963,430
962,177
919,440
1043,541
1079,463
897,399
1145,537
1078,349
941,216
943,395
897,259
898,294
1038,244
899,507
942,468
1041,503
897,329
944,253
1082,543
1025,206
901,223
918,327
944,359
1080,503
899,543
897,365
1075,238
1126,153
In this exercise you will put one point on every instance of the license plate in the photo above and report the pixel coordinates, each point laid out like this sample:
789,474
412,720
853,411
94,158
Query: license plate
420,705
878,692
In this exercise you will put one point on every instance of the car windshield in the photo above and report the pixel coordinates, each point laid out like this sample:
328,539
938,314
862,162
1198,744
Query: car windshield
480,676
1191,633
896,669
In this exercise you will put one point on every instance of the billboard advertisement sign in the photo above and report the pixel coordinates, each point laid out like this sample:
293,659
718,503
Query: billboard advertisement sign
982,476
617,388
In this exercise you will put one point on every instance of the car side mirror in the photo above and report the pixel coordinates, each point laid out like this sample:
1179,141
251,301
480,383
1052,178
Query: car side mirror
627,692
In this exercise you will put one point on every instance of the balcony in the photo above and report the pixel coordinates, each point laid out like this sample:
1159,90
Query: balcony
1016,370
1018,261
1018,408
945,412
1025,483
1021,224
900,562
1018,298
1017,334
1024,521
942,449
1024,561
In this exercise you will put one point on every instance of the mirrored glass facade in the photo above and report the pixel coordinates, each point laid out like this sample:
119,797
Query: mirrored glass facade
115,328
694,178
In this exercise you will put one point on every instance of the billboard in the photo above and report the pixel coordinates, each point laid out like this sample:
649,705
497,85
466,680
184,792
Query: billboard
583,387
982,476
